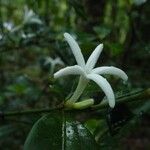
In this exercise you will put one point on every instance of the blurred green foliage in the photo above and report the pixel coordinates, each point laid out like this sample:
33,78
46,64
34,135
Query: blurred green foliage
29,48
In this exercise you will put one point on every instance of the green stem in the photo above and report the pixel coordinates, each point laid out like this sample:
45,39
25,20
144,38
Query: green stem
32,111
141,95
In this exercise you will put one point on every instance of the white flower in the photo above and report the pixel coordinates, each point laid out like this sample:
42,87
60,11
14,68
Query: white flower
8,25
86,71
31,17
53,62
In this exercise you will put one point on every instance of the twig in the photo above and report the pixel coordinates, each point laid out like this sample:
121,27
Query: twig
32,111
141,95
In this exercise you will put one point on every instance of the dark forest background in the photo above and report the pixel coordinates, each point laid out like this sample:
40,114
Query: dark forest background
33,48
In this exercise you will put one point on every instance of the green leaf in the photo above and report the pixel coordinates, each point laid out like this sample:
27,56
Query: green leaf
58,132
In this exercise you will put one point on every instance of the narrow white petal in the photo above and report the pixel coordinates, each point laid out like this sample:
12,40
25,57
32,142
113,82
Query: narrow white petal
75,49
72,70
94,57
79,90
105,86
112,71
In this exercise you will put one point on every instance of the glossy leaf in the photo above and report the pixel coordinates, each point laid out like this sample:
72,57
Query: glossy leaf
58,132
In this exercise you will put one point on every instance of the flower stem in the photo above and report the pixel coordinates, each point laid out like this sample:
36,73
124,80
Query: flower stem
79,90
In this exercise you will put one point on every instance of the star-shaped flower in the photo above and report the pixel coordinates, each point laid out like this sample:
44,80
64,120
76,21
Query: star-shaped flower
30,17
88,72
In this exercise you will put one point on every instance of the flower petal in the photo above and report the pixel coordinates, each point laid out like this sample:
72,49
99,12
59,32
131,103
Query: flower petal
72,70
111,70
94,57
75,49
105,86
